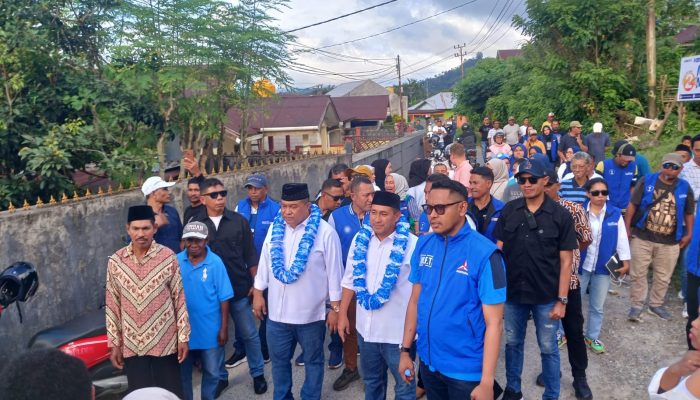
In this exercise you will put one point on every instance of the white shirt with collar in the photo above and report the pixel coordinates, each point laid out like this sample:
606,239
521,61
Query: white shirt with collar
623,246
384,325
691,173
303,301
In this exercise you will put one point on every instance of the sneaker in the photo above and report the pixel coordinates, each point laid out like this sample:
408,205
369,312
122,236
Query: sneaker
561,340
260,384
685,310
345,379
680,295
335,360
220,387
509,394
581,389
660,312
236,360
595,345
613,292
299,362
539,381
635,315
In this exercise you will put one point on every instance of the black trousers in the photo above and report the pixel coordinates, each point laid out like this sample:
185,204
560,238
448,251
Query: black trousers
692,301
150,371
441,387
573,329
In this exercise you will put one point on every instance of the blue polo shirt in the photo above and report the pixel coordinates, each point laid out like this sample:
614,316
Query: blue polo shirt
206,286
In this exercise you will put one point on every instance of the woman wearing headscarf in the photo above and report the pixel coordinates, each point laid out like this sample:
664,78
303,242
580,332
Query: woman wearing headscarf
500,177
519,151
382,168
398,184
565,167
420,169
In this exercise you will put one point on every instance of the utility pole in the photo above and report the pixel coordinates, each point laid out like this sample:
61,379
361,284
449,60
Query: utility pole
398,70
651,59
461,54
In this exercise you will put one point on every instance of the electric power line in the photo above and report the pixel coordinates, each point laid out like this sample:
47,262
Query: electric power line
340,16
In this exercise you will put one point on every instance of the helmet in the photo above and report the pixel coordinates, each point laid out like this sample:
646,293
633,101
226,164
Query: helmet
18,283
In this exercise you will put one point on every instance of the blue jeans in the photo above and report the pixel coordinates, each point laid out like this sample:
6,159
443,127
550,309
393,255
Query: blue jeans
281,339
376,358
516,316
597,285
244,322
211,362
239,346
484,150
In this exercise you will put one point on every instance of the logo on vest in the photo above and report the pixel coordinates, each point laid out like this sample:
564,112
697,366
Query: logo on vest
463,269
612,172
426,260
347,229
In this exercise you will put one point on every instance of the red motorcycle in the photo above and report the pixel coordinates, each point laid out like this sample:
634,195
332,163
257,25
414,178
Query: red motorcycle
85,338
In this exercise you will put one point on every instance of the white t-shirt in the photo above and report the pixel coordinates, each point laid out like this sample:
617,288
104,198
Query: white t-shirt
216,221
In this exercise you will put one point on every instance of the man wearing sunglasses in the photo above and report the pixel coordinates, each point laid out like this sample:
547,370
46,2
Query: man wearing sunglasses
330,197
572,323
538,238
620,172
659,221
231,239
456,306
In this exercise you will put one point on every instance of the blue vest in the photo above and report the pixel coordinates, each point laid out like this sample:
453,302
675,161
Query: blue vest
553,156
267,211
451,325
681,194
423,223
347,224
493,218
619,182
608,240
692,259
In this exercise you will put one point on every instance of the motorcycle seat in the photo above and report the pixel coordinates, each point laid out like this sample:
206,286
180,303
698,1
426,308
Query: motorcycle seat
87,325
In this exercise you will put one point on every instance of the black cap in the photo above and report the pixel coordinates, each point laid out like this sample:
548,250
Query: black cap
140,213
624,148
553,176
295,191
383,198
531,166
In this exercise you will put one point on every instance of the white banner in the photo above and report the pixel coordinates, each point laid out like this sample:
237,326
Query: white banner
689,79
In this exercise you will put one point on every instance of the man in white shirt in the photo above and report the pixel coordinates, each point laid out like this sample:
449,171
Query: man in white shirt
301,266
372,266
512,131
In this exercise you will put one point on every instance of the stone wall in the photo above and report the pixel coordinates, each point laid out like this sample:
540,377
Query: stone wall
69,244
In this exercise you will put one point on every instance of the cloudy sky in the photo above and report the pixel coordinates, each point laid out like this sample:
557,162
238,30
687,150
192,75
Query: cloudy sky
426,48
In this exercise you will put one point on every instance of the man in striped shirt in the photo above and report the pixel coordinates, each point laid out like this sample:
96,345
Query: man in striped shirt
572,184
148,327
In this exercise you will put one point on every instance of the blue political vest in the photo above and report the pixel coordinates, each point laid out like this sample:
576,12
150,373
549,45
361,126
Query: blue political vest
423,223
347,224
680,193
457,275
692,258
552,153
608,240
493,218
619,182
267,211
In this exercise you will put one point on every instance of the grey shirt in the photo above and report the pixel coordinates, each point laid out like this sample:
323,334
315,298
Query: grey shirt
596,143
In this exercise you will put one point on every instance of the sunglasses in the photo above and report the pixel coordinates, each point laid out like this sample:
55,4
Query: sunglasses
532,179
438,208
215,195
335,198
596,193
672,166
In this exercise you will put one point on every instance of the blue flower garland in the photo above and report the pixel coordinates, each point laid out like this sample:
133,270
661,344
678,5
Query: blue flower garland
298,266
391,274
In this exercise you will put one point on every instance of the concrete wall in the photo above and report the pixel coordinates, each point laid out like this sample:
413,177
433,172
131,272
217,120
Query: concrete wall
401,153
69,244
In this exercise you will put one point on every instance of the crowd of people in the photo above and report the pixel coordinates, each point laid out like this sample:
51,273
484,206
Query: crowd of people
420,276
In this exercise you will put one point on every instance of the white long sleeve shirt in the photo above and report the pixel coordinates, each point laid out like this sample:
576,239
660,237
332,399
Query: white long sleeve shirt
623,245
384,325
418,193
303,301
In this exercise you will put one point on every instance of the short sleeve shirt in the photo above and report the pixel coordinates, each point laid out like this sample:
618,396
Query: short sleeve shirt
531,246
660,226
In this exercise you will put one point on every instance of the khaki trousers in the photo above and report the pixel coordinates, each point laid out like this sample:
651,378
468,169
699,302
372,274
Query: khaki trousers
663,257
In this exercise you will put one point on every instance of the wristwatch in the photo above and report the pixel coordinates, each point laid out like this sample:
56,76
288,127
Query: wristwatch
404,349
563,300
335,308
